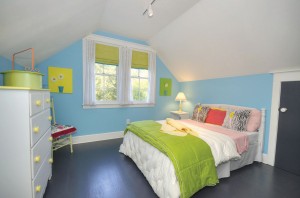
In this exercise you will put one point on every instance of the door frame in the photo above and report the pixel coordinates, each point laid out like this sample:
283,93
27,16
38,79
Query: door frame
278,77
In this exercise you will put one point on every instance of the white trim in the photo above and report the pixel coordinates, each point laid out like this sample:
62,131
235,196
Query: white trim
261,131
277,79
97,137
284,71
265,159
117,42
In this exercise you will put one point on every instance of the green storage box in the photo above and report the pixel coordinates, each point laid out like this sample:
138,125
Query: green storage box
17,78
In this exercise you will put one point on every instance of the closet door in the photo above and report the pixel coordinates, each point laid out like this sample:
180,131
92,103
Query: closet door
288,136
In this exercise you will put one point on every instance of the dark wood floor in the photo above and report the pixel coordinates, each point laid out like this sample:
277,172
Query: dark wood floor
98,170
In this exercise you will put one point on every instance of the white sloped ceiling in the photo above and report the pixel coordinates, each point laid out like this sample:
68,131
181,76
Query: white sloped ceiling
196,39
48,26
220,38
51,25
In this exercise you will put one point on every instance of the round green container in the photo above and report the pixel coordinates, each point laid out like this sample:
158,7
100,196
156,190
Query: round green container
17,78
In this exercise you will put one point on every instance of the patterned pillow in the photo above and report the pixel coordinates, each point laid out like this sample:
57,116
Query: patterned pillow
228,117
200,113
238,120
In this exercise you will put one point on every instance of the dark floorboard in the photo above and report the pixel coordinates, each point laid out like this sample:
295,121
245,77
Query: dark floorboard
97,170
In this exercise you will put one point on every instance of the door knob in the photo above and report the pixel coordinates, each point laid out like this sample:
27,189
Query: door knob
283,109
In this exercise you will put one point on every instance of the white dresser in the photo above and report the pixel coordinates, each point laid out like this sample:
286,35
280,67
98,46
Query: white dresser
25,142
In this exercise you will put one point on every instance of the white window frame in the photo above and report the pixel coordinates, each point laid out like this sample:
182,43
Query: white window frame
123,77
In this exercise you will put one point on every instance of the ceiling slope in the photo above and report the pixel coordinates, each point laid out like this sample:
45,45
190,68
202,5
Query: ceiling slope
125,17
48,26
51,25
221,38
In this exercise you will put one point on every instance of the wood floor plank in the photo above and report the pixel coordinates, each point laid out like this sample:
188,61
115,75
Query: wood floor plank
98,170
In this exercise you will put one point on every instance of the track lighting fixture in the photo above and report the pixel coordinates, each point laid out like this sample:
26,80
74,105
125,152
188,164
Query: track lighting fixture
149,10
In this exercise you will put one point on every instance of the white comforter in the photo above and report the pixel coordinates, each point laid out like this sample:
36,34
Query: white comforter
158,168
223,148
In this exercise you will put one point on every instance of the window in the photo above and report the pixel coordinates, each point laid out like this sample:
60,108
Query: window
139,76
105,82
139,83
117,73
106,73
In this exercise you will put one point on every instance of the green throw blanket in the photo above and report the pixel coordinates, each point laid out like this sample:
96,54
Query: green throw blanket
192,158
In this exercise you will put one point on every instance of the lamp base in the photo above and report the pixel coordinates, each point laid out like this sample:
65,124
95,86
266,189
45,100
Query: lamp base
180,106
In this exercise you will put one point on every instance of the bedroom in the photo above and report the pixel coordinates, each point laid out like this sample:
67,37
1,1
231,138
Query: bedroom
215,52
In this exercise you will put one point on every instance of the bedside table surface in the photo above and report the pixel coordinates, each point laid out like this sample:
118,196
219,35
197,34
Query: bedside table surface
179,112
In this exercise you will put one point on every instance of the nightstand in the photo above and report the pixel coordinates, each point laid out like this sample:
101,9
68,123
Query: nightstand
179,115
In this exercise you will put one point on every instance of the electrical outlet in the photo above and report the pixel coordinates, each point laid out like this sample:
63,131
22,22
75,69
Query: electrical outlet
127,121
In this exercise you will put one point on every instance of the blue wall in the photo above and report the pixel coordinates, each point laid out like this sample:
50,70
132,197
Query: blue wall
5,64
251,91
69,109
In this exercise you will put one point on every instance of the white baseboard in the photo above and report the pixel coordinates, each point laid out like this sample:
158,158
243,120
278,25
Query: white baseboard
97,137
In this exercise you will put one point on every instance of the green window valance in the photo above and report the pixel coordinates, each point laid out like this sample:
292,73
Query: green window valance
139,60
106,54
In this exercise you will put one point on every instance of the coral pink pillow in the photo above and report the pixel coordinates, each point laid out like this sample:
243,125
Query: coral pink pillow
254,120
215,116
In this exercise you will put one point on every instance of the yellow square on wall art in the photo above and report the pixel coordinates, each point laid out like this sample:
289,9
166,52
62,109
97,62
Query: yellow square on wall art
60,80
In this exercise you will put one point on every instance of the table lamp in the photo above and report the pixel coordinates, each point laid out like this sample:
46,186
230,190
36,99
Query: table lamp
180,97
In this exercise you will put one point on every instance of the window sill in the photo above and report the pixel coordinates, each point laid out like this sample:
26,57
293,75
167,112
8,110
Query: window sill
100,106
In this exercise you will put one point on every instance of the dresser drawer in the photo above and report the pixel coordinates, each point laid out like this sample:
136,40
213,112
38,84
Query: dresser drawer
39,152
36,102
39,124
39,184
46,100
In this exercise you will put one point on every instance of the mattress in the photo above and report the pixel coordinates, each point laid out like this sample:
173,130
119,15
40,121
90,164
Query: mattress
159,170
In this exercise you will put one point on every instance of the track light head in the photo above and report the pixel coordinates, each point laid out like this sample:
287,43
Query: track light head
150,11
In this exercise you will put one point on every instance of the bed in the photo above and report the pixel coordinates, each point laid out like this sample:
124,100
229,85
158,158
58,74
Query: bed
159,169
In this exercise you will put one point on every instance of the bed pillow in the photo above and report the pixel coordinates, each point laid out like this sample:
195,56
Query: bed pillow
239,119
200,113
215,116
254,120
228,117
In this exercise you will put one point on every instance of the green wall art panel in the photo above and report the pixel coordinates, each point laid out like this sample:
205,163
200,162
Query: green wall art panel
165,87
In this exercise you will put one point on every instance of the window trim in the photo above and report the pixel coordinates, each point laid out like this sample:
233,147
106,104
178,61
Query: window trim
121,44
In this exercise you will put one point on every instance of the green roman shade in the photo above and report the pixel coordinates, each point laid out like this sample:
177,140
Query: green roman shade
139,60
106,54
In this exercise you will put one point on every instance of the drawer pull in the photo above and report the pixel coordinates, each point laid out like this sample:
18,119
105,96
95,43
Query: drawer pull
38,188
48,100
37,159
50,161
36,129
38,103
49,118
50,139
